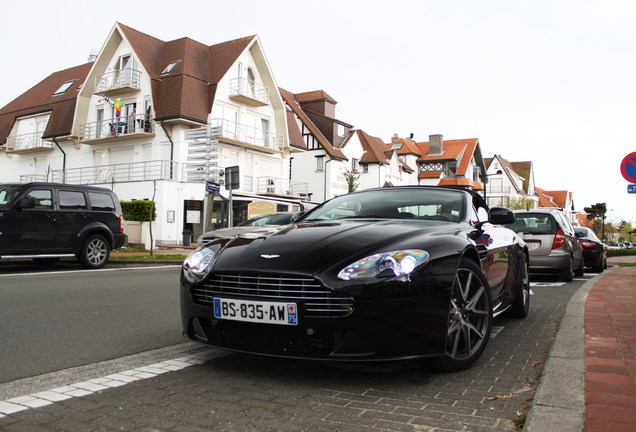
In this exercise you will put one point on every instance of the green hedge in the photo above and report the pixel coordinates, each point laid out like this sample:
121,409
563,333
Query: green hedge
138,210
621,252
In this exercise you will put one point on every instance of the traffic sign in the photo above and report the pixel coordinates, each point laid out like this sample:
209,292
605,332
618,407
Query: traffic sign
212,187
628,167
631,189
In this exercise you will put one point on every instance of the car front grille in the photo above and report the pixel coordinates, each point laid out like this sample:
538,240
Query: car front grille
316,300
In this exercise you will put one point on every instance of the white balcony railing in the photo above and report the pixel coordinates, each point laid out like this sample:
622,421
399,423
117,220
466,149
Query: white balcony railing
118,79
118,173
28,143
140,123
248,134
280,186
244,88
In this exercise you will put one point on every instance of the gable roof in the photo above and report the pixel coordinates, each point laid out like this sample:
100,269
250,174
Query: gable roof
374,149
461,150
188,90
292,103
39,99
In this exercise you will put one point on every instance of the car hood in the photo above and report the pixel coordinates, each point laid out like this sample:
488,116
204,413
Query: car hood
309,247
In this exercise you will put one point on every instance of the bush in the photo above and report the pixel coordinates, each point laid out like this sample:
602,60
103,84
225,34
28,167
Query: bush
621,252
138,210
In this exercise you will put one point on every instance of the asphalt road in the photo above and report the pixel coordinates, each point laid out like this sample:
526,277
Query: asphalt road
68,317
74,318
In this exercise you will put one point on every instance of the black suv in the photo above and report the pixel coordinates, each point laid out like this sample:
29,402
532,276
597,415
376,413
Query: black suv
48,221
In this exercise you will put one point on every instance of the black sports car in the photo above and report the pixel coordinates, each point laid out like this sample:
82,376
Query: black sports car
390,273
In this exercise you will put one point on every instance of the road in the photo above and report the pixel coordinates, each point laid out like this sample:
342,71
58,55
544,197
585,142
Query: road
69,317
184,387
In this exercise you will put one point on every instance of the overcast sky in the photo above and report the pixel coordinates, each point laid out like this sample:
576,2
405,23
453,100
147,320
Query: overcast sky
543,80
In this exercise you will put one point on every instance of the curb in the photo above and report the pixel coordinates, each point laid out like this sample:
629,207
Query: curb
559,403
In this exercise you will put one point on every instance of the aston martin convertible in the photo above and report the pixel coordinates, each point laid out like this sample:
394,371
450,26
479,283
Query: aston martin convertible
383,274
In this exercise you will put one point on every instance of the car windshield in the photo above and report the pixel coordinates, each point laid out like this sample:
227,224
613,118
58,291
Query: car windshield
8,193
408,203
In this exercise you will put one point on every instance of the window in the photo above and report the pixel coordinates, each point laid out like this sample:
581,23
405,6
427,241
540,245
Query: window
365,168
251,79
341,131
72,200
320,163
354,165
101,201
169,68
64,87
43,198
450,168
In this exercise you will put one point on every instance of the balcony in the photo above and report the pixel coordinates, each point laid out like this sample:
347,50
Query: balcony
118,173
249,92
280,186
118,82
248,136
129,127
28,143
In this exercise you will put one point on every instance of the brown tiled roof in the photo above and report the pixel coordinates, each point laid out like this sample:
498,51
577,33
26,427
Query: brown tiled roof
39,99
545,200
315,95
374,148
461,150
408,147
290,100
560,198
188,91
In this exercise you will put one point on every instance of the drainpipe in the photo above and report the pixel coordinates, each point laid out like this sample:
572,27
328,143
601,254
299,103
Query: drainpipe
63,160
324,196
171,148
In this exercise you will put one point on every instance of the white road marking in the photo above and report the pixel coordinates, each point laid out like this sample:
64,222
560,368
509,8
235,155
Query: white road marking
85,388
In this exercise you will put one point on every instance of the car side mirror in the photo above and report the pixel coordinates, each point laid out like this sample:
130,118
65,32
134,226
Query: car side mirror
295,217
501,216
26,203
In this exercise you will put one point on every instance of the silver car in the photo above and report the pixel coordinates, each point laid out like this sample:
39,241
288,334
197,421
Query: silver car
258,223
551,241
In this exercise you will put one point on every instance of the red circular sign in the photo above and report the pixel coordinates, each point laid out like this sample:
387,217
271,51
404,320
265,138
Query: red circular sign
628,167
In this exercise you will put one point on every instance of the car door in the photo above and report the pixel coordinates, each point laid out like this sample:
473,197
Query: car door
29,227
73,215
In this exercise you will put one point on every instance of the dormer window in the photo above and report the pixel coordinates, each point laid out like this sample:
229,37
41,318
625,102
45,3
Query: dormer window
169,68
64,87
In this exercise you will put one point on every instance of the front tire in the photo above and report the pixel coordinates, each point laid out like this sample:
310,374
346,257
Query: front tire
469,318
95,252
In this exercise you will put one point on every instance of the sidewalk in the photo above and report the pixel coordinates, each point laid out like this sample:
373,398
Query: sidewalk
589,380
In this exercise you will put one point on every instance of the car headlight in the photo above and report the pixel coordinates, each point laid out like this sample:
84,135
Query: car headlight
198,264
395,263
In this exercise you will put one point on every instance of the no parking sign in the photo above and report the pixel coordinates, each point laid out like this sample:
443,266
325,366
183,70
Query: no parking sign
628,169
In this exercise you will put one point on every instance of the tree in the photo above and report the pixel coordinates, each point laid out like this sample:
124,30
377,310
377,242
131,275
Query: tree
352,178
597,213
521,203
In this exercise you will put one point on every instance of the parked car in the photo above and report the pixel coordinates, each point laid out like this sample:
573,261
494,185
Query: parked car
48,221
551,241
594,250
261,222
379,274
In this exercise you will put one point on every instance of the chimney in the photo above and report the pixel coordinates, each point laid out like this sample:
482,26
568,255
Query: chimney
436,144
395,138
92,56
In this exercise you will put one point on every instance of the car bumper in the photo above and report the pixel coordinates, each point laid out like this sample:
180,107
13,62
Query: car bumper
548,263
374,330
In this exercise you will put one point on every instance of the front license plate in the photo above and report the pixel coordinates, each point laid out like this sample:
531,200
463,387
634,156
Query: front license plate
256,311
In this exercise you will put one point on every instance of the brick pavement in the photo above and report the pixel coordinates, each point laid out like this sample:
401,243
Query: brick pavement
610,353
